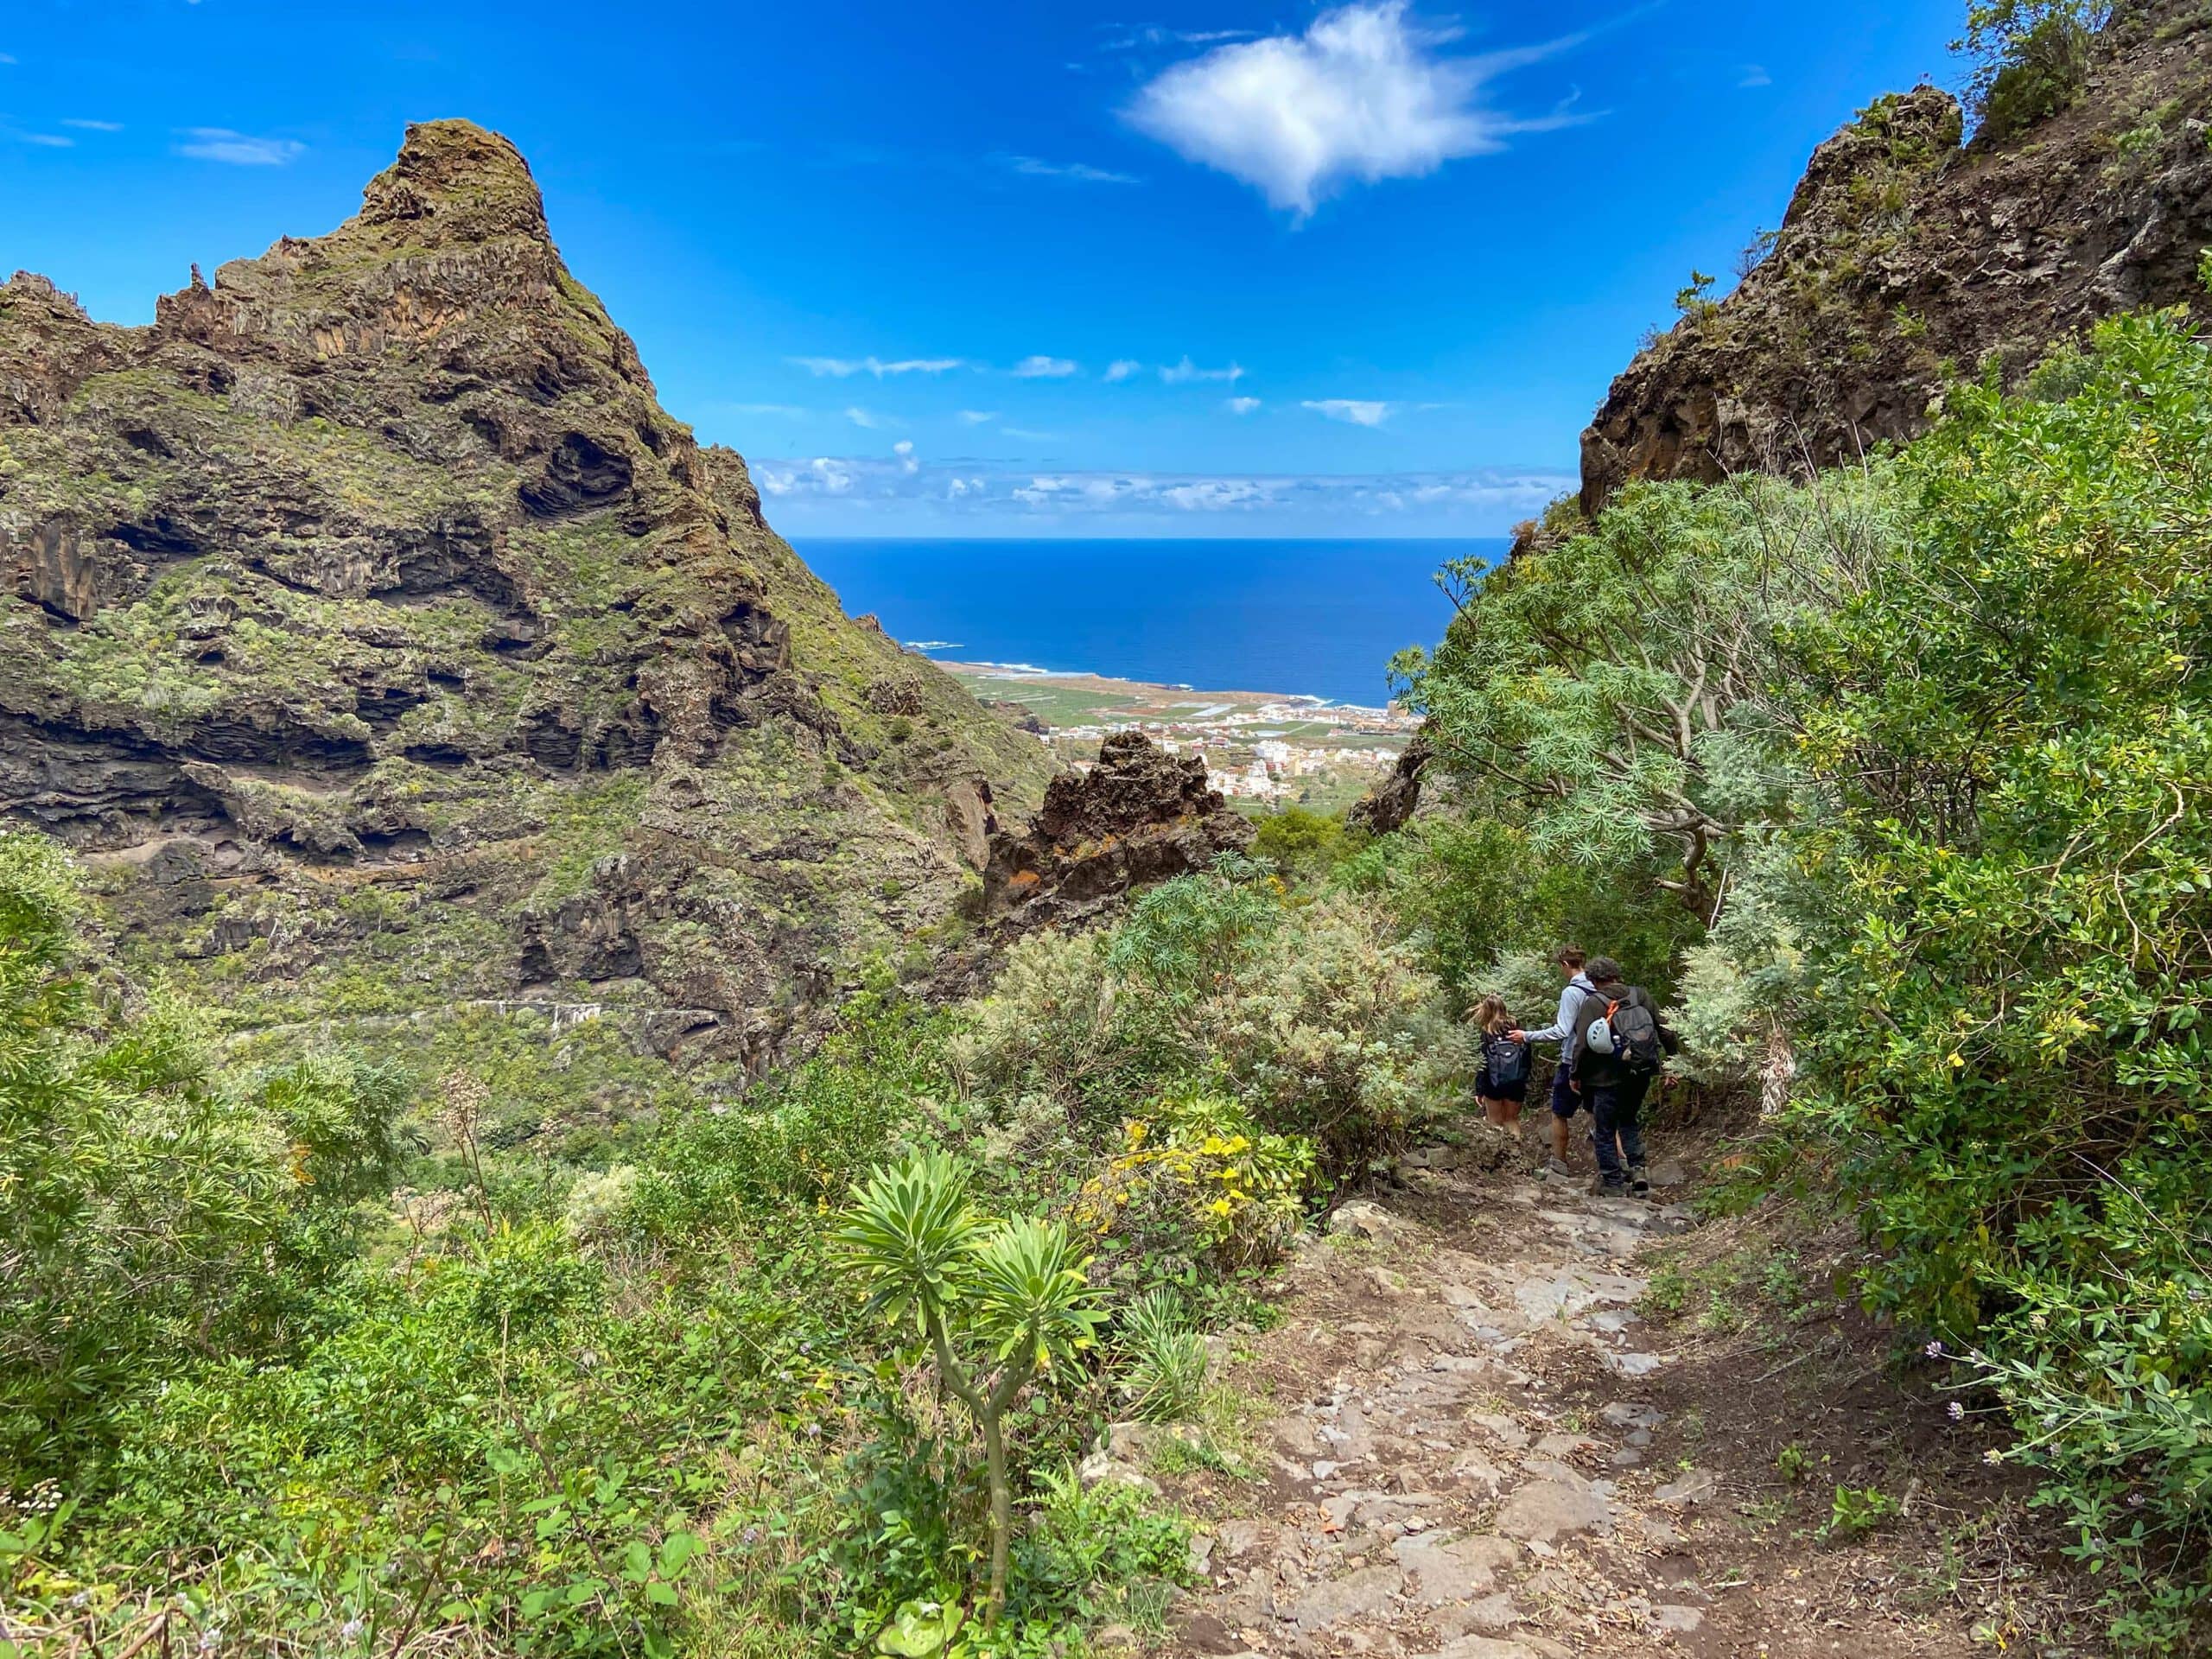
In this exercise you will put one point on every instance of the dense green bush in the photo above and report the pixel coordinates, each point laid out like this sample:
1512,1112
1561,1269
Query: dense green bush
1314,1018
2032,58
155,1211
2011,887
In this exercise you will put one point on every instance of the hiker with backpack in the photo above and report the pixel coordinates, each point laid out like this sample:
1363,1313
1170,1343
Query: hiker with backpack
1565,1102
1622,1047
1504,1084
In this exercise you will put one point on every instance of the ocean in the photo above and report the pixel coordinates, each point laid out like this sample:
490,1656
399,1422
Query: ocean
1306,618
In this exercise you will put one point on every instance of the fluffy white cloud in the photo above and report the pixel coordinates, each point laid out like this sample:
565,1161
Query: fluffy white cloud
1242,405
844,368
1176,374
909,463
1078,172
866,418
978,417
1365,93
1045,368
1122,367
1358,411
237,149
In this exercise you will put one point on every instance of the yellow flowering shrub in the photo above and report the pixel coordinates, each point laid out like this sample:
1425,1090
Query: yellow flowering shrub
1194,1176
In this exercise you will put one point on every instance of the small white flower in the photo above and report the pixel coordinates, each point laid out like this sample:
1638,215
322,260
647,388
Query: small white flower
1934,1351
1958,1412
352,1629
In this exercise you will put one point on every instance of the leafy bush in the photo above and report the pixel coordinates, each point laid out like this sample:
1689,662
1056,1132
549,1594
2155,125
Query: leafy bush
1312,1018
155,1211
1195,1178
2011,726
2032,58
1303,845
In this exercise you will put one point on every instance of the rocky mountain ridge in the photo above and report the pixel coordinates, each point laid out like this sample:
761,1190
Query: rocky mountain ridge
1908,256
371,627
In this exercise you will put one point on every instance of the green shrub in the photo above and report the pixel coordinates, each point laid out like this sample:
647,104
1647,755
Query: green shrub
2032,58
155,1213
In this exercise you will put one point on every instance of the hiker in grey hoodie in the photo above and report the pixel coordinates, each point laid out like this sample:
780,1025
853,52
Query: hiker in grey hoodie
1565,1102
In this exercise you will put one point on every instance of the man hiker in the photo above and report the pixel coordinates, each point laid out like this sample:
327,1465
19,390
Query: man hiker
1565,1102
1621,1047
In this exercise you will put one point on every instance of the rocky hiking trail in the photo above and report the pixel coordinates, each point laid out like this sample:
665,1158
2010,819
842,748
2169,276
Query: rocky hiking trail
1468,1441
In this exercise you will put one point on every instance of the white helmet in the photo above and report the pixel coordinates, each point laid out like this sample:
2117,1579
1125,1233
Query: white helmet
1600,1036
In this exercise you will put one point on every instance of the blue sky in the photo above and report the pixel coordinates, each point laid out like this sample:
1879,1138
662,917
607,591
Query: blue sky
1198,268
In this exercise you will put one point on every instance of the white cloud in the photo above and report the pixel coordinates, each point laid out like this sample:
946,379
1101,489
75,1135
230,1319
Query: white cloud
823,475
900,484
1364,94
1242,405
844,368
1028,436
237,149
44,140
977,416
1078,172
1176,374
1121,368
866,418
1359,411
86,124
1755,75
1045,368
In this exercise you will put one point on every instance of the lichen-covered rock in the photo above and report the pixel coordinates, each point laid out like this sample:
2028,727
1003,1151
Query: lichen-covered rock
375,567
1141,815
1907,257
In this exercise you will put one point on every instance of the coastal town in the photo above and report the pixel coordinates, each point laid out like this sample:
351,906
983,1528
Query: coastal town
1263,750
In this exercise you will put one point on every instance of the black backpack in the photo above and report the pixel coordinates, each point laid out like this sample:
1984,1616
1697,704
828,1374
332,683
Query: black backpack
1508,1062
1637,1043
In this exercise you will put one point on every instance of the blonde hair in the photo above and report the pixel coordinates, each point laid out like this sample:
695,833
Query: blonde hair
1489,1013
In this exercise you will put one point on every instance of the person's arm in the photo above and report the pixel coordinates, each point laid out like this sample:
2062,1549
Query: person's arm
1570,999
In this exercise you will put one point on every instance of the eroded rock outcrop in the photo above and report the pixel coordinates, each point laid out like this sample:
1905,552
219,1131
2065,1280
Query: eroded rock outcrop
1907,257
1141,815
376,562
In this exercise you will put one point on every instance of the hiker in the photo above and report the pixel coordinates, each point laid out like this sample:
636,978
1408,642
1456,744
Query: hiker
1504,1084
1622,1047
1565,1102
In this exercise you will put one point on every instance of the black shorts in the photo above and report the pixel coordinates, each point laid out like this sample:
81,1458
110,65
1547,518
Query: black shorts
1491,1089
1565,1102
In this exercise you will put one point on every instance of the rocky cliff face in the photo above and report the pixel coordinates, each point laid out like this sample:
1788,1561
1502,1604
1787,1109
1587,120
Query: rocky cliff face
1905,258
367,620
1141,815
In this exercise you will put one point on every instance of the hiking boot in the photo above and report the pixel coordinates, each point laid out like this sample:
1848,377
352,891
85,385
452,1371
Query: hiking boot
1557,1166
1639,1184
1609,1187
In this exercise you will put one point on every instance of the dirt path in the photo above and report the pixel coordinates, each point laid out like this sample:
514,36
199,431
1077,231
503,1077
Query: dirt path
1475,1444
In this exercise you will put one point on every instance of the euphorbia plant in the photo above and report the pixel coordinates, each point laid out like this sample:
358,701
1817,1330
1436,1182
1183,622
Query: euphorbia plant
998,1302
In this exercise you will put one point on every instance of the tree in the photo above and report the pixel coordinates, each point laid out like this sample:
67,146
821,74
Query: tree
997,1303
1614,689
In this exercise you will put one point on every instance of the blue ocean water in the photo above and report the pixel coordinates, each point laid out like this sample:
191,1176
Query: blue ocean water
1314,618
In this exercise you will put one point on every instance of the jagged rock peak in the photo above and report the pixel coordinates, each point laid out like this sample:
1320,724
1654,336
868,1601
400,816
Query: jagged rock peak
454,181
1141,815
1908,257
